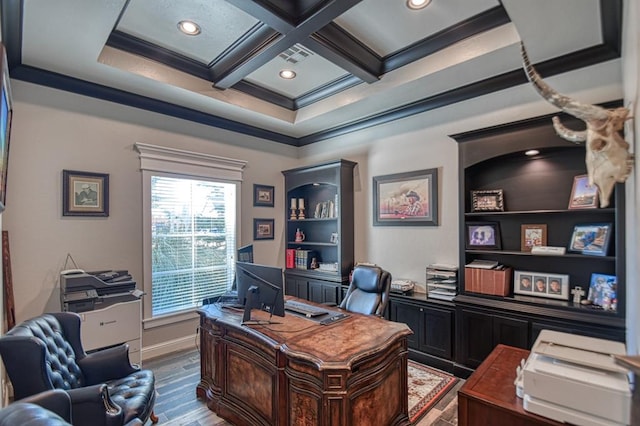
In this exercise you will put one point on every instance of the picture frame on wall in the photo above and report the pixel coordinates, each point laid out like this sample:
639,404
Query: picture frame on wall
263,229
583,195
591,239
483,236
403,199
263,195
6,114
541,284
532,235
487,200
85,193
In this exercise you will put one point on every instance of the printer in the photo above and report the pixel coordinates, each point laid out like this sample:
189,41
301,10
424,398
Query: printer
575,379
82,291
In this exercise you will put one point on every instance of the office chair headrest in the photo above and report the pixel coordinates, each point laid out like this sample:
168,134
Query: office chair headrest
369,278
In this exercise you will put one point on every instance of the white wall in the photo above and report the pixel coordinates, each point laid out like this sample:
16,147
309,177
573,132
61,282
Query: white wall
57,135
54,130
631,81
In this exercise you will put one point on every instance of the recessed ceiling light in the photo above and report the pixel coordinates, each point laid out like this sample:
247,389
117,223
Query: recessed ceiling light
189,27
532,152
417,4
287,74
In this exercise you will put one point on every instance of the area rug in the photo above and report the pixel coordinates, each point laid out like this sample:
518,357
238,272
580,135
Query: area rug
426,386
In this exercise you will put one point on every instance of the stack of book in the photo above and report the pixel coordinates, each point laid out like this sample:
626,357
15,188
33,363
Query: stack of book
442,281
301,259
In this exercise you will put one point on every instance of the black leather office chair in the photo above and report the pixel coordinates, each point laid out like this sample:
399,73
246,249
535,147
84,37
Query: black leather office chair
368,291
49,408
46,353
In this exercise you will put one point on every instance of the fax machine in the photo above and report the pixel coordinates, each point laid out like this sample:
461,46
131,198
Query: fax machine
574,379
86,291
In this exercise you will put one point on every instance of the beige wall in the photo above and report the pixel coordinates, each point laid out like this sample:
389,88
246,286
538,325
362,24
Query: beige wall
54,130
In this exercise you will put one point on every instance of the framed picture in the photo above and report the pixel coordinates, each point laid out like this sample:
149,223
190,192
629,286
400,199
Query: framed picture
532,235
483,235
591,238
603,291
406,199
583,195
263,229
85,193
541,284
6,112
263,195
487,201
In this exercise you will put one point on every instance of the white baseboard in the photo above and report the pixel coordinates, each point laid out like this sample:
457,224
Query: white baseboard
165,348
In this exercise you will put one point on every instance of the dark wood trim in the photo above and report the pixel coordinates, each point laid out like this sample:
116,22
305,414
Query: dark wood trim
136,46
81,87
490,19
264,94
338,46
323,92
268,13
299,34
12,12
611,12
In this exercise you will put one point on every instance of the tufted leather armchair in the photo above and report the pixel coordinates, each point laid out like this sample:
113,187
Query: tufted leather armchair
369,290
46,353
49,408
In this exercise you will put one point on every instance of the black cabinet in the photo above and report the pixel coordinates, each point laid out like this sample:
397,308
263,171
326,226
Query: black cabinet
536,191
319,230
480,332
432,326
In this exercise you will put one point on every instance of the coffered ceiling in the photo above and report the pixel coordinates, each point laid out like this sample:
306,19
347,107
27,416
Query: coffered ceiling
357,63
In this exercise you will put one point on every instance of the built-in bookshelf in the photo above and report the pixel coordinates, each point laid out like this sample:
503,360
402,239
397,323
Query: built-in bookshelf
319,230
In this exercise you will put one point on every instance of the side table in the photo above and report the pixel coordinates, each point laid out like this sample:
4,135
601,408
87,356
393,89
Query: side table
488,397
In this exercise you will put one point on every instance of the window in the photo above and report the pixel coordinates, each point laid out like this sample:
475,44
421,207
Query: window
192,241
190,223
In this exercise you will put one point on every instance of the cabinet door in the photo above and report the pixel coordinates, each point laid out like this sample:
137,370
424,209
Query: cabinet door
437,327
511,332
475,337
322,292
412,316
297,287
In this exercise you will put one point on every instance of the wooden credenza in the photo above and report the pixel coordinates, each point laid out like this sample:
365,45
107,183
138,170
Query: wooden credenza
488,397
298,372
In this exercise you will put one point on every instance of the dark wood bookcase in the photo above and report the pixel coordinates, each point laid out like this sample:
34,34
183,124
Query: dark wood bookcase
328,223
536,191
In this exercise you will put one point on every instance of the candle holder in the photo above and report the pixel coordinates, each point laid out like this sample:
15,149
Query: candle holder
293,209
301,213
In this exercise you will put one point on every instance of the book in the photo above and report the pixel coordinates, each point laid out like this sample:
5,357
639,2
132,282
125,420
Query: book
482,264
291,258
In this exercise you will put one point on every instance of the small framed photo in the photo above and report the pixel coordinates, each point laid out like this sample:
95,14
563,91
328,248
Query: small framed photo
591,238
263,229
483,236
334,238
532,235
263,196
583,195
85,193
603,291
487,201
541,284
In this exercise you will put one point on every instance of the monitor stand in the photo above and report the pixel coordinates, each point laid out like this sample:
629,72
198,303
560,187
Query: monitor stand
248,303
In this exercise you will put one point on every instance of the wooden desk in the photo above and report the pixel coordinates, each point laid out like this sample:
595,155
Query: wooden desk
298,372
488,397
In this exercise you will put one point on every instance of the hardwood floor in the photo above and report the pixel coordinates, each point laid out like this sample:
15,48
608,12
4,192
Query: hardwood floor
176,404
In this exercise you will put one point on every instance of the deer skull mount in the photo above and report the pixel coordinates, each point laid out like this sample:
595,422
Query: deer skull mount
608,158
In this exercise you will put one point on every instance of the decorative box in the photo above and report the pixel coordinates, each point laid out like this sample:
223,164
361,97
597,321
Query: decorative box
496,282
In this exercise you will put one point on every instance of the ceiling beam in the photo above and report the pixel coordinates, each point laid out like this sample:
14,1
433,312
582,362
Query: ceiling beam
298,34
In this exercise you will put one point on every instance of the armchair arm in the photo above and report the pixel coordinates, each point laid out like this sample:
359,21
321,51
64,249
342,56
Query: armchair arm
92,405
56,400
107,364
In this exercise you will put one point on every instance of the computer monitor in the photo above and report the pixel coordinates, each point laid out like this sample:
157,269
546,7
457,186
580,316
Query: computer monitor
260,287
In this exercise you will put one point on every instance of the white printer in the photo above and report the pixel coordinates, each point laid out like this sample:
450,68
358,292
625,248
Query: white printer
574,379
